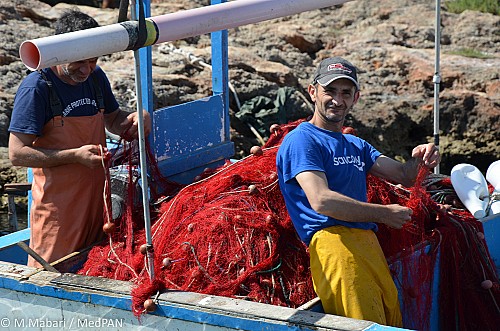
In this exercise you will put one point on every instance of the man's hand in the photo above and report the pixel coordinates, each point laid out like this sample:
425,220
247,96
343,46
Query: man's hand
91,155
130,125
22,153
395,216
126,124
428,153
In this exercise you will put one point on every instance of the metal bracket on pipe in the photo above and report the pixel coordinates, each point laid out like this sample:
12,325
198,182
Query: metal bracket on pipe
436,79
143,34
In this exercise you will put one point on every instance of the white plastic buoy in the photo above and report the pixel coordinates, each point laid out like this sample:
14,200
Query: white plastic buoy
493,177
471,188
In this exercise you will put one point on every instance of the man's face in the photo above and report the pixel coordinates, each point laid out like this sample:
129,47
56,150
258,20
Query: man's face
78,72
333,102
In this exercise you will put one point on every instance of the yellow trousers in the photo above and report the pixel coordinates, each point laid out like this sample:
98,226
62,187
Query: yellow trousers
351,276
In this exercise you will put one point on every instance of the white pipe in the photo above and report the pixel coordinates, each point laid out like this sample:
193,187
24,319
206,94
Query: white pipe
471,187
74,46
228,15
85,44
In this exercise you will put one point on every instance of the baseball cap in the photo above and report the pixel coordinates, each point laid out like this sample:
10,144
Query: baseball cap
334,68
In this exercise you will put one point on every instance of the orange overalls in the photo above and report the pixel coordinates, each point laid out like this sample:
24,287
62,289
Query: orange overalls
67,209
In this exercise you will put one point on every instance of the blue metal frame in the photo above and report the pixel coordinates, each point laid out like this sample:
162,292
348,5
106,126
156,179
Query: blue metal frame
164,308
491,228
409,308
9,251
146,63
190,137
220,71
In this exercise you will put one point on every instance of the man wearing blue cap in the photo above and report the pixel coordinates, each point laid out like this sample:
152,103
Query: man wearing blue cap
322,175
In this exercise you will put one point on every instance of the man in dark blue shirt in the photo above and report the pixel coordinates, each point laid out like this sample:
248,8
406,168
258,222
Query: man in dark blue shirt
58,129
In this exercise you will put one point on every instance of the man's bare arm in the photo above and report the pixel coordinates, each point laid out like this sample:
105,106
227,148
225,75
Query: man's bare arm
22,153
327,202
126,124
405,173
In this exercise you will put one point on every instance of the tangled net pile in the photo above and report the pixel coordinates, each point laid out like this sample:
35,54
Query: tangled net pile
229,234
442,240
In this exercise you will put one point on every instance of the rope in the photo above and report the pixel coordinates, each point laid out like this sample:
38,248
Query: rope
493,197
107,213
106,184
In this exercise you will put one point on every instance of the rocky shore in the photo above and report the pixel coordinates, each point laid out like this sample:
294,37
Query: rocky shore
390,41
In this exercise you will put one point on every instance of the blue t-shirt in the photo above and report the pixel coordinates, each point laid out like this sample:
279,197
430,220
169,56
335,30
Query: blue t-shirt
32,103
345,159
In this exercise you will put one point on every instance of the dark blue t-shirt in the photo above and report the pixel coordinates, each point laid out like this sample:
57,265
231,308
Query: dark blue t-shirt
345,159
32,103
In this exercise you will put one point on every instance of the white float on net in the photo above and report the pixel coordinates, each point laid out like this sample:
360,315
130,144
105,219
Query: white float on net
471,187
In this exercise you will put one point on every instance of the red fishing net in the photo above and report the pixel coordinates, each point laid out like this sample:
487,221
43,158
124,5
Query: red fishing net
439,260
229,234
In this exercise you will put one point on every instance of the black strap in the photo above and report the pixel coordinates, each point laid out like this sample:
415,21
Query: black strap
98,93
143,33
55,103
122,14
56,106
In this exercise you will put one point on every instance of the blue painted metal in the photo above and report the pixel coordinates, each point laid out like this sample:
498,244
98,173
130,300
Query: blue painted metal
122,302
435,316
220,71
190,137
491,228
9,251
409,308
186,307
378,327
146,64
244,324
12,238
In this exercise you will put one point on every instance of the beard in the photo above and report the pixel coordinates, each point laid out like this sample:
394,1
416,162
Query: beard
337,116
334,118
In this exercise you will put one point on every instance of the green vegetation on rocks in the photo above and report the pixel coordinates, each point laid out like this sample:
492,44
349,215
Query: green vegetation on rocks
485,6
